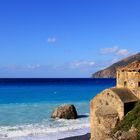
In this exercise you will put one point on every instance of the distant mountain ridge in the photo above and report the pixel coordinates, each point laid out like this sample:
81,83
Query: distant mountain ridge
110,72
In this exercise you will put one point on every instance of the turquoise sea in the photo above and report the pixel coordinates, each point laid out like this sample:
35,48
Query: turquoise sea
26,106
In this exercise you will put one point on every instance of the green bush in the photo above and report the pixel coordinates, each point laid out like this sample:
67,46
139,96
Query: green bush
132,118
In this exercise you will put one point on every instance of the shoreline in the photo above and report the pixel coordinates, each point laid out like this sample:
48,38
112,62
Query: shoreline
75,134
80,137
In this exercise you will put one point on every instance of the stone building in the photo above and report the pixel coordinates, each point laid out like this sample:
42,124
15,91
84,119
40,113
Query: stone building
110,106
129,77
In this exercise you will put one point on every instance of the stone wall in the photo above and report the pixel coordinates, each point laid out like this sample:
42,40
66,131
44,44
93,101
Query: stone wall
130,80
105,107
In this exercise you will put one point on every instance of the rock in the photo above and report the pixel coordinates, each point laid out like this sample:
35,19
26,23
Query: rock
65,112
118,134
129,135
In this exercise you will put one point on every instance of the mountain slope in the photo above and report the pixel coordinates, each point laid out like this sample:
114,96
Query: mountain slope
110,72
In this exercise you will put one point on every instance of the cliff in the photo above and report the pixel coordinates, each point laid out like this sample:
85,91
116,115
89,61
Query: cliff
129,127
110,72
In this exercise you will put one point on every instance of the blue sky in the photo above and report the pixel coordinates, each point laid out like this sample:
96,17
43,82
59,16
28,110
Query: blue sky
66,38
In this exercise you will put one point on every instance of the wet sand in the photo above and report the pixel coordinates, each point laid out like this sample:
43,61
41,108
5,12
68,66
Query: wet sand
82,137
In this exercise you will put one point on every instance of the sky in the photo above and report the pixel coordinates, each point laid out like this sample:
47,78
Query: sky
66,38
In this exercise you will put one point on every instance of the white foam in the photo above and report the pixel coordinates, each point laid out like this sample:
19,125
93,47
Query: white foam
37,131
53,136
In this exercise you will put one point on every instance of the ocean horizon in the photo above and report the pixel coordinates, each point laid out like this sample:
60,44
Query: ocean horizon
26,106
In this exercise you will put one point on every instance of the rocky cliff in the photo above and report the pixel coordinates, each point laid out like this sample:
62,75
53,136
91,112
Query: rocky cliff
129,127
110,72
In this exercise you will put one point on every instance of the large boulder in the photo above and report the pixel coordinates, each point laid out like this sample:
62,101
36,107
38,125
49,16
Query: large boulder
65,112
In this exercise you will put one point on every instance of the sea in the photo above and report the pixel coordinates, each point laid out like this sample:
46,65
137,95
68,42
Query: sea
26,106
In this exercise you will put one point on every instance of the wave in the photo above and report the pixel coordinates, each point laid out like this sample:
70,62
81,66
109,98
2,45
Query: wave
47,127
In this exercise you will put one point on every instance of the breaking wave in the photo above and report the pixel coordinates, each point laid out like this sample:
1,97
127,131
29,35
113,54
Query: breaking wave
47,127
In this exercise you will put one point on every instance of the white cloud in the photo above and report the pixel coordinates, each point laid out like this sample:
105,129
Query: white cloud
122,52
21,67
114,60
109,50
114,50
51,40
30,66
81,64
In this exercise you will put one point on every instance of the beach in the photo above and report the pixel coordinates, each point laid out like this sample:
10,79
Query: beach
81,137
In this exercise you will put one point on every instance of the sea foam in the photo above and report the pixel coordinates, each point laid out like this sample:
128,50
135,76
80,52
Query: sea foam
54,130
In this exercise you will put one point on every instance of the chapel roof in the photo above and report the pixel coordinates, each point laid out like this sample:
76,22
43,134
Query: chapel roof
125,94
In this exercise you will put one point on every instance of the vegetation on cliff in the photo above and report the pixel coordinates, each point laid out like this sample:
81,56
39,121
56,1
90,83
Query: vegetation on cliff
110,72
131,119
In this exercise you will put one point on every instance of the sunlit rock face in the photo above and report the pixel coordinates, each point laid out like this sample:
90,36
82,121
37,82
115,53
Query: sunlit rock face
110,72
